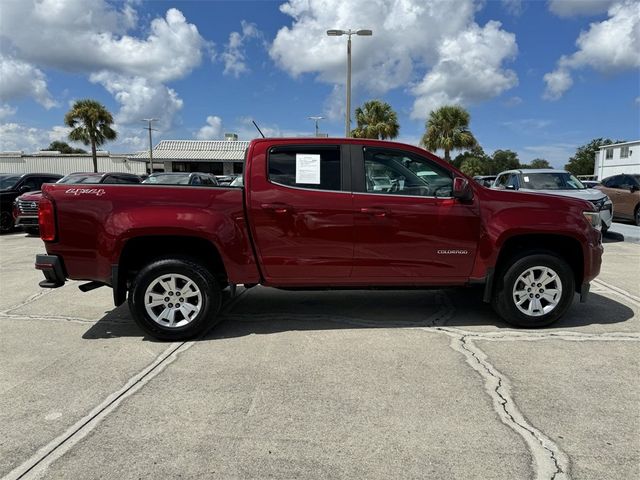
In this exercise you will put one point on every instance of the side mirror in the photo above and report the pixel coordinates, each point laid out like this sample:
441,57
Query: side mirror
634,188
24,189
510,187
462,190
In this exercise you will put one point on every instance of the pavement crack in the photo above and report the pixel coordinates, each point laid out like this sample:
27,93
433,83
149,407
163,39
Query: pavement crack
28,301
549,462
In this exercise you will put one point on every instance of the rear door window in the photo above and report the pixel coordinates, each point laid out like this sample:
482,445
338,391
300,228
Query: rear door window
312,167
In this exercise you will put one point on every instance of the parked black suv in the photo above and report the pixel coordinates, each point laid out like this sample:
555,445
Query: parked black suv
13,185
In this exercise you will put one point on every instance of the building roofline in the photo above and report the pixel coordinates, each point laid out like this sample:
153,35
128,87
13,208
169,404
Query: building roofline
618,144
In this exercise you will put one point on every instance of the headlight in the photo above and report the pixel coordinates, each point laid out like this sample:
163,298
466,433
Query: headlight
594,219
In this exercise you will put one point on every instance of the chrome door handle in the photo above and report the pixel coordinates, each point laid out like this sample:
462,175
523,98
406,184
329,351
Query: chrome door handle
276,207
375,211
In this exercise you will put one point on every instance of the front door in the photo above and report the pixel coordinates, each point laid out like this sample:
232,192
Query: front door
408,227
302,214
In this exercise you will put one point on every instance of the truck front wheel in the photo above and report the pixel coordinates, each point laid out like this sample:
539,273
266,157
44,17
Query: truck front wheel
174,299
535,291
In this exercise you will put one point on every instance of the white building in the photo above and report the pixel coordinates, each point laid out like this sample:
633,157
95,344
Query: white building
616,159
48,161
220,157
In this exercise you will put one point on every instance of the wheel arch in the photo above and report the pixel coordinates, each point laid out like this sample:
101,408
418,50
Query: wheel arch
564,246
139,251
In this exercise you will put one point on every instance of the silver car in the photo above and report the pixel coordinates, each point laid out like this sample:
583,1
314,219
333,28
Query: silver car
556,182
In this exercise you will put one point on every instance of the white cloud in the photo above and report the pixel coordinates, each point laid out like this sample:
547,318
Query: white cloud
16,136
212,130
610,46
140,98
407,35
557,154
95,40
558,82
469,69
20,79
527,124
234,55
570,8
513,101
93,37
7,111
514,7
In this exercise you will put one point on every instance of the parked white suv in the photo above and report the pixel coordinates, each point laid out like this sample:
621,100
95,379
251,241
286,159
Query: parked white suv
556,182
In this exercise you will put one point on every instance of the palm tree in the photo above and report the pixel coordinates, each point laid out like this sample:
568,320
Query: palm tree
448,128
376,119
91,123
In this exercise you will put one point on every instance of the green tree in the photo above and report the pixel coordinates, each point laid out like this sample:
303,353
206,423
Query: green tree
376,119
91,123
583,161
473,166
475,152
447,128
537,163
63,147
502,160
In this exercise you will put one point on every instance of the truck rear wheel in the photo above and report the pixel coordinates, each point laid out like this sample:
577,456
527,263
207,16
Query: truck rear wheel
174,299
535,291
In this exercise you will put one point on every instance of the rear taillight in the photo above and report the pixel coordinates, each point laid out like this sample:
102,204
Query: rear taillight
47,220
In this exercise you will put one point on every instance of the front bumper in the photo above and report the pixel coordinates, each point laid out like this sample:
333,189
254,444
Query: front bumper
26,221
53,270
606,214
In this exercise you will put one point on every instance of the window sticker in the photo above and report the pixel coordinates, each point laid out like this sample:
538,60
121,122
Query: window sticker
308,168
526,179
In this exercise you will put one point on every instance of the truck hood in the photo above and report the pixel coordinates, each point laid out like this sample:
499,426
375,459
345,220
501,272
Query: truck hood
31,196
588,194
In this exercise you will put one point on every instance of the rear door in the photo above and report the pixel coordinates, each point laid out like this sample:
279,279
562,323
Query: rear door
414,231
302,213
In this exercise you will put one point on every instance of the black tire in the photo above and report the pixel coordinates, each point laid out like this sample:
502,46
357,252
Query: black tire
204,282
604,228
6,222
504,301
636,215
35,231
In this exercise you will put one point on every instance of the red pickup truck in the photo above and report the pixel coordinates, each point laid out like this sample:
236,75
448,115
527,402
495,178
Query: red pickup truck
319,213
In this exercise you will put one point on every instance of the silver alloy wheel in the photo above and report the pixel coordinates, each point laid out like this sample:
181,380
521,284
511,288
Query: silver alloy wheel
172,300
537,291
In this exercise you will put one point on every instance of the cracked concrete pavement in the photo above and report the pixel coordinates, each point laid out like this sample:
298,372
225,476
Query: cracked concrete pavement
403,384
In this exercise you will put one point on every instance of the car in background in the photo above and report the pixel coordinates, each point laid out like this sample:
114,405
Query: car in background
556,182
624,191
225,180
590,183
25,207
181,178
485,180
237,182
12,185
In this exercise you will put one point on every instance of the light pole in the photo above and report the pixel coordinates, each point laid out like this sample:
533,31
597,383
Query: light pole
316,119
149,120
337,33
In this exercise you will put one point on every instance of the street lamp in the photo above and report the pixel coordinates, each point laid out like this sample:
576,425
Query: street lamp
337,33
149,120
316,119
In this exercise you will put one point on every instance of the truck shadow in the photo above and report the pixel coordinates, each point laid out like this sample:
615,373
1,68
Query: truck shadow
264,311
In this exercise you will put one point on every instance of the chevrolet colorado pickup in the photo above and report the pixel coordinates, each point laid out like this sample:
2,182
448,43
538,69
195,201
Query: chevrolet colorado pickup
311,216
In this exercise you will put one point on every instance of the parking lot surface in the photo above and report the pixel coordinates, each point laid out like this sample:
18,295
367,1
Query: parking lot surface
357,384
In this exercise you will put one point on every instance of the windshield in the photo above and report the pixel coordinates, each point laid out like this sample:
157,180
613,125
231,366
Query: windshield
168,179
81,178
8,181
551,181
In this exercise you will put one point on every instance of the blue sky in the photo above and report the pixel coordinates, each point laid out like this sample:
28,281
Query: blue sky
538,77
